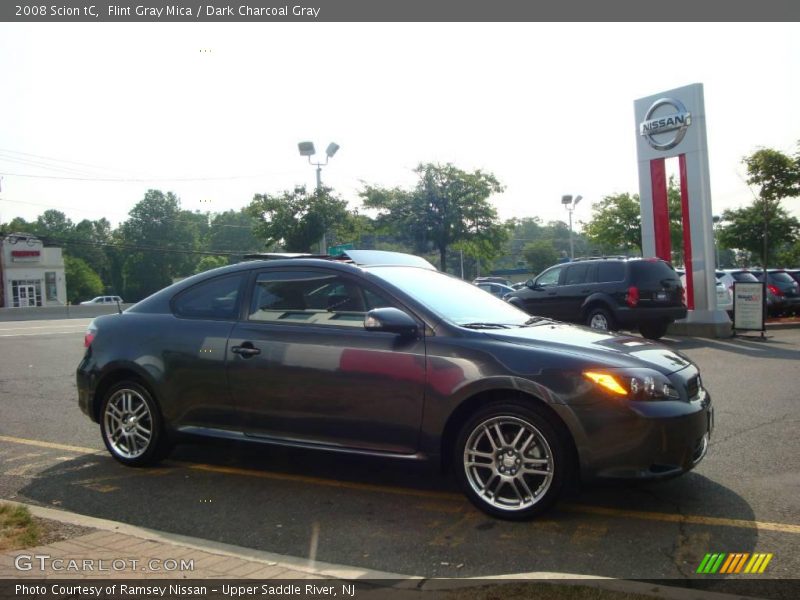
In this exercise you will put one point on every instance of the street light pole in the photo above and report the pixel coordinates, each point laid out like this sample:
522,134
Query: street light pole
570,204
307,149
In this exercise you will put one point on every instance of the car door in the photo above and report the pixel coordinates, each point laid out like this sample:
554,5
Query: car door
541,298
574,290
303,369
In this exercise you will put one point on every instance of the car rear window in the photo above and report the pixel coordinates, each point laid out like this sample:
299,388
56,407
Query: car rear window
744,276
781,277
652,273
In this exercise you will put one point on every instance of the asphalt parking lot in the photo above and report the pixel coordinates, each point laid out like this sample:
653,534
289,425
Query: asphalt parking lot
744,497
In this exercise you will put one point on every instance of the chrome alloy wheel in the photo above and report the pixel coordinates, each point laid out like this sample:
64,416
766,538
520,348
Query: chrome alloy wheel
128,423
508,463
599,321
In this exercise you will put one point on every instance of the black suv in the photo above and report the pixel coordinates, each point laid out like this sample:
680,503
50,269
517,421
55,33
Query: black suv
607,293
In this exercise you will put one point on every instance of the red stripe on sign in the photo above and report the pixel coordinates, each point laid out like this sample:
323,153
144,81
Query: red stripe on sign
687,233
658,180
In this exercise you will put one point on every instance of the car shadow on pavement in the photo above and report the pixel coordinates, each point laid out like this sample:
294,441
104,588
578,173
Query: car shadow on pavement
399,517
771,347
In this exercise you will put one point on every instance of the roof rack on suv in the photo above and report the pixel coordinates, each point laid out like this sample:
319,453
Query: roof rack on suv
604,257
287,255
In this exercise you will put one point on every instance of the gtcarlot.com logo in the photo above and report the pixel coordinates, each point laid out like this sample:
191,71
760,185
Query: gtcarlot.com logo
734,563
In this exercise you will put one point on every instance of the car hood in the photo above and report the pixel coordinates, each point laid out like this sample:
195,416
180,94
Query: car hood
608,349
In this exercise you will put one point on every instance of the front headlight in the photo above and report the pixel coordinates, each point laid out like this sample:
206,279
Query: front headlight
635,384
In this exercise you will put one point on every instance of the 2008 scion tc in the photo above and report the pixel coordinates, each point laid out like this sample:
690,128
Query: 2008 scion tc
381,354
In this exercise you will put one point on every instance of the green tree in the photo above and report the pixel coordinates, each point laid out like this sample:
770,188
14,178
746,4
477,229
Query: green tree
232,231
448,206
743,229
210,262
296,221
161,241
777,176
616,224
82,282
540,255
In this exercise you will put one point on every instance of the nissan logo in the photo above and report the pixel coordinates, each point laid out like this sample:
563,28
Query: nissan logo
678,121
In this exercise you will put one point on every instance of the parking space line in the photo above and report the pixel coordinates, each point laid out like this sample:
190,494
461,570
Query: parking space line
678,518
51,445
448,496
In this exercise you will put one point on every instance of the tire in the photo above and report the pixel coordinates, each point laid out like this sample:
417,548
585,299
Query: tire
131,425
489,466
653,330
600,318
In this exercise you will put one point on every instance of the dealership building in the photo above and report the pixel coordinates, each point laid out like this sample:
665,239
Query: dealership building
31,274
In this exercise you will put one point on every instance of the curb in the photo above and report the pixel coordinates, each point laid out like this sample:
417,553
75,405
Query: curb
331,570
323,569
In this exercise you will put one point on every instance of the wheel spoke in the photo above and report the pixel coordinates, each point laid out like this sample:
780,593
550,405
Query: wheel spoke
489,437
523,483
128,424
500,434
502,480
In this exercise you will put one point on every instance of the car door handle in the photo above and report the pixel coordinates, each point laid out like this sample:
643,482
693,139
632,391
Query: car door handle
246,350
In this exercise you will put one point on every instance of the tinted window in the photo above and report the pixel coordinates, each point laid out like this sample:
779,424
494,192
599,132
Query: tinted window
652,273
781,277
610,271
576,274
744,276
213,299
311,297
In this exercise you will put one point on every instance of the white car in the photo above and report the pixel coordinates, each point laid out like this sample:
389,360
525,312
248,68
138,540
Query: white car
104,300
724,293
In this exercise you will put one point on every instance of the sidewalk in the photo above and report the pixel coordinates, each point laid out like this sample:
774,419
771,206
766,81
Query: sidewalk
120,551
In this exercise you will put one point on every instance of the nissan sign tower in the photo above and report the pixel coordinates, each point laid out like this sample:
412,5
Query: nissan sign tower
668,125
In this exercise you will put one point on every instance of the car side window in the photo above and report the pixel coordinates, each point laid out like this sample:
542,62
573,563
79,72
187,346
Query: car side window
211,299
610,271
549,278
312,297
576,274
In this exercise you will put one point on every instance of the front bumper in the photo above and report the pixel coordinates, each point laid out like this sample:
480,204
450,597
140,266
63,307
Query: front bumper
644,440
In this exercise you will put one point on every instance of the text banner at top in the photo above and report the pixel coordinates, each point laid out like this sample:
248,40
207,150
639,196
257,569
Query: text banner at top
675,11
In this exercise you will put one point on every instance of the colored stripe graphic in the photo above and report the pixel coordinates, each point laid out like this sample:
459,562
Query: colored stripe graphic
724,563
758,563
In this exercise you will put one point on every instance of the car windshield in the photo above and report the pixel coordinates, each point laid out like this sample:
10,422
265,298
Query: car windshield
452,299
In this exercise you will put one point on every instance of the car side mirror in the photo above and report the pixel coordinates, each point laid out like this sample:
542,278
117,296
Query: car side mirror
392,320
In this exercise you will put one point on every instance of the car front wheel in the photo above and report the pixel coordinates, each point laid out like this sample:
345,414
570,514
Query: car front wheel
131,425
510,461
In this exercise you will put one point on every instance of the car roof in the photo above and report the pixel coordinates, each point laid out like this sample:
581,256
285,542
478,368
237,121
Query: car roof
362,258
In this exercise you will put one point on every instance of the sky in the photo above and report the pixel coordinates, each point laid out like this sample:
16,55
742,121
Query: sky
96,114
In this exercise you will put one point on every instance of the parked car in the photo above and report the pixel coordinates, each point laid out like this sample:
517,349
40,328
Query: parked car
491,279
724,294
104,300
784,290
795,274
391,361
495,289
607,293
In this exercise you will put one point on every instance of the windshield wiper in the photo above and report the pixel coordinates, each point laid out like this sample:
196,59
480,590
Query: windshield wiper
480,325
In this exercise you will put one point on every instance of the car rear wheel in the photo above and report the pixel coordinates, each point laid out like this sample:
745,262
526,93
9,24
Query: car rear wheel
600,318
511,461
131,425
653,330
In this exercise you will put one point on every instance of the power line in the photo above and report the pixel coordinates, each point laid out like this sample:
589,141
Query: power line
139,247
57,207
